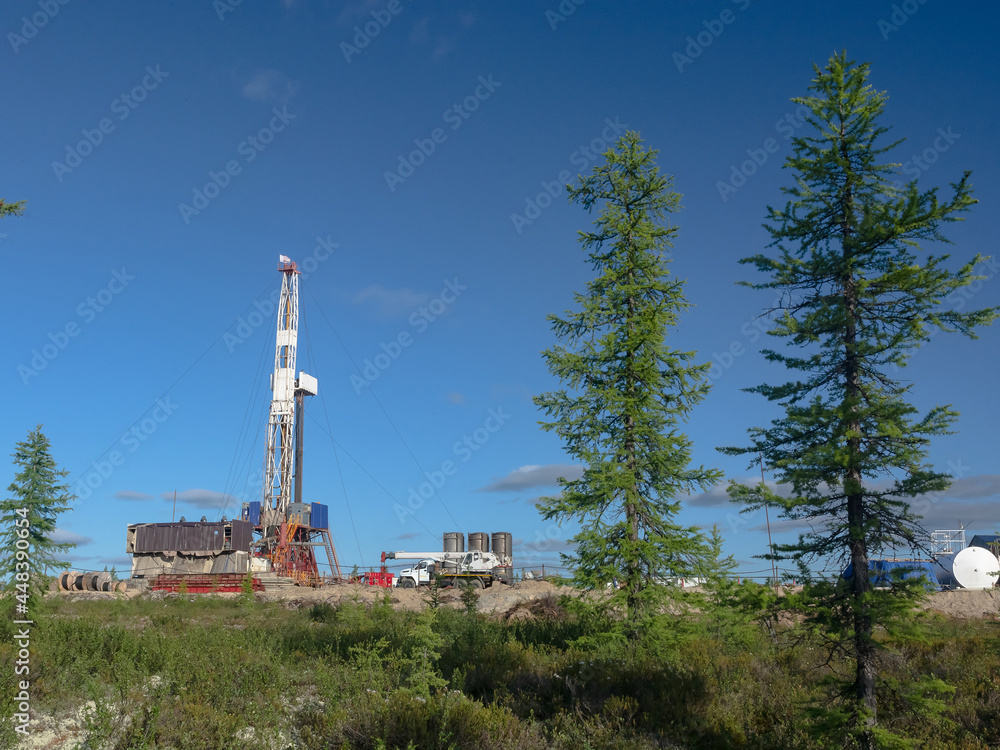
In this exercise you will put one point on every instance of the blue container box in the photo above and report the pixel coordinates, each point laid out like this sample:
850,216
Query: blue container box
320,517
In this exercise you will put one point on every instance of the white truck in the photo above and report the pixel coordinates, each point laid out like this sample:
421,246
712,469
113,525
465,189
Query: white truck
480,569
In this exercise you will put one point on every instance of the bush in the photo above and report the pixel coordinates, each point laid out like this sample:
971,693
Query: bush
196,674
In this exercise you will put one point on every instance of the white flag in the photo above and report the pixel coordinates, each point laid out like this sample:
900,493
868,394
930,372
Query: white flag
284,259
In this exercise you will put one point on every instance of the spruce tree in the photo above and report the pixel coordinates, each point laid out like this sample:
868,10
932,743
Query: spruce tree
28,518
627,394
858,294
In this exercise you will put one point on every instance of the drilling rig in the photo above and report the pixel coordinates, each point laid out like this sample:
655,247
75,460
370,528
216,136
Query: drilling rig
288,529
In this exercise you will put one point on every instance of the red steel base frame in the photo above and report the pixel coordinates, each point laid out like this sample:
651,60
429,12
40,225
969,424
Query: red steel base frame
204,584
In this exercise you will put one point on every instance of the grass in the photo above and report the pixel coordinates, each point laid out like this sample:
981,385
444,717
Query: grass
188,674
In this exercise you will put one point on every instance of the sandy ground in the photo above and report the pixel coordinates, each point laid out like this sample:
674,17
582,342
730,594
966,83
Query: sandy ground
497,599
503,600
966,603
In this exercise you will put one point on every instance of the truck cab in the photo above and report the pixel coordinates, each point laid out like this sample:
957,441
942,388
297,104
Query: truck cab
420,574
473,561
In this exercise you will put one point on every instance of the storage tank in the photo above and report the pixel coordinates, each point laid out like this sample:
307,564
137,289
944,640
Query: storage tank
454,541
970,568
502,545
479,540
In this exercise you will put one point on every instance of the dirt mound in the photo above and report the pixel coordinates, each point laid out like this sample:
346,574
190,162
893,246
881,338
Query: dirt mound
523,600
965,603
545,607
499,599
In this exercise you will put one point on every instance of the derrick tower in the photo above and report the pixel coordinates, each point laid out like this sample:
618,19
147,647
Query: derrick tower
288,528
278,461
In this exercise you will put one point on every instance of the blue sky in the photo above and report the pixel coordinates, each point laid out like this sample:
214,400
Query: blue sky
404,153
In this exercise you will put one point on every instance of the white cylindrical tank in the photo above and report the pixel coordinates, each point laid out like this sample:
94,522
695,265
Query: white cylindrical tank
970,568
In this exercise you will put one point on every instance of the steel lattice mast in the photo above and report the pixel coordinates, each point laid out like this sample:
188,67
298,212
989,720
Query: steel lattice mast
278,462
290,529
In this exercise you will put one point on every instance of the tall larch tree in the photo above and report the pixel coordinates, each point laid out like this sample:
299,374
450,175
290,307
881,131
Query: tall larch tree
859,295
627,394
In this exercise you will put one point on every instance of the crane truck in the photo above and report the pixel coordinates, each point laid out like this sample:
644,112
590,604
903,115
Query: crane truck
480,569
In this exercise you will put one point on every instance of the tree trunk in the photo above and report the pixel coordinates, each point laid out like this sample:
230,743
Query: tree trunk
634,572
865,669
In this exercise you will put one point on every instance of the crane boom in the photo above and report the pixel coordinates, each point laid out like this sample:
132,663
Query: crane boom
436,556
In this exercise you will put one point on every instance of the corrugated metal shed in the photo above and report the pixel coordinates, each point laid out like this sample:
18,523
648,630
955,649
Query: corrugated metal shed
192,537
242,536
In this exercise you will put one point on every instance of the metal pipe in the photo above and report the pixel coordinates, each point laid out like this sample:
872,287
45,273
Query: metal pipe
767,519
300,409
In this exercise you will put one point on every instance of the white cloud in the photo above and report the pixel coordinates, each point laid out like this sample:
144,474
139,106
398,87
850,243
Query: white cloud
442,46
967,488
116,561
419,33
717,496
130,495
205,499
270,86
970,501
983,517
534,476
389,302
62,536
977,486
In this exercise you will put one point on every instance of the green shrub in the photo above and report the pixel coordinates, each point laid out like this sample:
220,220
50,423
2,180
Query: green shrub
192,674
